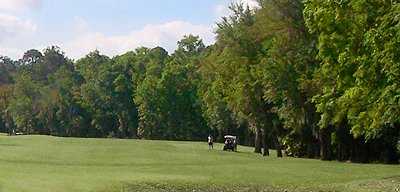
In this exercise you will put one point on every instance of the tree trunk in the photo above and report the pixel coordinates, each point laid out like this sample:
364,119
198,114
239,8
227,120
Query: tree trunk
391,139
9,123
276,127
121,129
325,142
264,143
343,140
390,155
257,136
220,137
278,147
122,126
257,140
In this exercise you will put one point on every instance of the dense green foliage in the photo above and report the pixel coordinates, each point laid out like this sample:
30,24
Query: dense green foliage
43,163
314,78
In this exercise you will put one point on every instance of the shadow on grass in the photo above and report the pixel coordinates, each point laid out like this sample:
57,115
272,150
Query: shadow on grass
388,184
391,184
164,187
182,187
8,145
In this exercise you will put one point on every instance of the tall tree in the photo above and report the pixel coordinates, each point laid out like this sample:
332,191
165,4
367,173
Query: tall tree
169,106
287,68
236,58
358,43
24,105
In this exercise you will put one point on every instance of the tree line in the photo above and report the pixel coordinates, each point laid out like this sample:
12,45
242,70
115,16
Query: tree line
314,78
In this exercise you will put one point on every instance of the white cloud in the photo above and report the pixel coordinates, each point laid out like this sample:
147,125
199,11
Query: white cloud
19,5
14,29
80,26
11,26
10,52
222,10
253,4
165,35
14,32
85,40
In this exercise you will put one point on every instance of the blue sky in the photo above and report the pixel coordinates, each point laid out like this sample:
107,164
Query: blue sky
111,26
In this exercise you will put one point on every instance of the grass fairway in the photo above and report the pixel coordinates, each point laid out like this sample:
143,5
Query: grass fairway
41,164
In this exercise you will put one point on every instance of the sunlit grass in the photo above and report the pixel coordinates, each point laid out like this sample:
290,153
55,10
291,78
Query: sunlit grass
41,163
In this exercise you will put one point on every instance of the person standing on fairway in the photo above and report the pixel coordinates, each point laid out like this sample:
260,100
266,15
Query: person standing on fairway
210,142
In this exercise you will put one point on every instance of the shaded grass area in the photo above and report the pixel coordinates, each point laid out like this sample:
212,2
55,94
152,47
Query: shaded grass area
388,184
149,187
41,163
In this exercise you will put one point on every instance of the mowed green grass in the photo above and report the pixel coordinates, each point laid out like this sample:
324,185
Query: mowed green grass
42,163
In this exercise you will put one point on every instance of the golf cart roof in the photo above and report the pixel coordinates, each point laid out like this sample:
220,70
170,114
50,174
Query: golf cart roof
230,137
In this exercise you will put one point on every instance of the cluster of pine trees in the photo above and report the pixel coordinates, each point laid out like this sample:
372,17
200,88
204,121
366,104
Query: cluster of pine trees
315,78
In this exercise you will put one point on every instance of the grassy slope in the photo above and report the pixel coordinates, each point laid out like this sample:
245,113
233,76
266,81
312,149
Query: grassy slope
40,163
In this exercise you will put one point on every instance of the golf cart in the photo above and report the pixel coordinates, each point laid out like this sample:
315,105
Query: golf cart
230,143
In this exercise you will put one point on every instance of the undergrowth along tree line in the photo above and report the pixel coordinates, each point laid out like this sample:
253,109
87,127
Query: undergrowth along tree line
316,78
